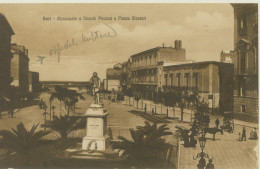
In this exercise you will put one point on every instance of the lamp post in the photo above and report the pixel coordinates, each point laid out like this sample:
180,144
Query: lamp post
202,155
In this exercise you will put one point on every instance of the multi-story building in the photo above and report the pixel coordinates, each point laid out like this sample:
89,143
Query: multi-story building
33,81
114,78
6,32
145,71
246,67
212,80
126,75
20,67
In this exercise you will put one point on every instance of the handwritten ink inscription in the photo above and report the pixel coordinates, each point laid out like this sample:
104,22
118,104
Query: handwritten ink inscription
93,36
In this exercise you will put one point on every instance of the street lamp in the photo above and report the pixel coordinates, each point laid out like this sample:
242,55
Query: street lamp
202,141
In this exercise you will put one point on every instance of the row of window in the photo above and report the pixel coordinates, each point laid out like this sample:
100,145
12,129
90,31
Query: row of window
146,76
181,80
145,61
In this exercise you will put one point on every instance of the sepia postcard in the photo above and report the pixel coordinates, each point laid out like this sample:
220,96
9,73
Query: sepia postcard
138,85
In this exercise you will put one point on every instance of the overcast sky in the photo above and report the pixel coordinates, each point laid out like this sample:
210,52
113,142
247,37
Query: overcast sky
205,30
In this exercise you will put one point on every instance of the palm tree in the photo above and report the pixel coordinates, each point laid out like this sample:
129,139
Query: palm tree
65,125
21,141
58,94
146,147
69,97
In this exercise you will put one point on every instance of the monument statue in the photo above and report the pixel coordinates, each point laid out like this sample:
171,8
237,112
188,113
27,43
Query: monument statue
95,87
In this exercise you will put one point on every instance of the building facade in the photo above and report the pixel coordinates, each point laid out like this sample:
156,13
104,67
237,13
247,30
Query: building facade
246,67
114,78
20,67
6,33
33,82
145,71
212,80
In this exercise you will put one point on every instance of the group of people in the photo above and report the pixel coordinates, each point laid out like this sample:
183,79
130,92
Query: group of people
189,136
253,135
202,164
189,139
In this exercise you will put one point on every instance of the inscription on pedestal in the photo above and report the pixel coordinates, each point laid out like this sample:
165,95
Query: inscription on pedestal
94,127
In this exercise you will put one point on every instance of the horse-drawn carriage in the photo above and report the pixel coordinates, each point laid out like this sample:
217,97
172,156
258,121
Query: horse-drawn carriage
228,122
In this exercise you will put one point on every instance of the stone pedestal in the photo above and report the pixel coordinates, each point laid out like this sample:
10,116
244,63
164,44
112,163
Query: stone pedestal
96,137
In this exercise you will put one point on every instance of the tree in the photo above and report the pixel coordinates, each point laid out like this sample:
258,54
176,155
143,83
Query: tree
65,125
22,141
161,99
180,101
69,97
167,101
146,147
58,94
155,99
173,100
202,114
137,97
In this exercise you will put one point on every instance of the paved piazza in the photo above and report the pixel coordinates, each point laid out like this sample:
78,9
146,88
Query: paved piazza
227,151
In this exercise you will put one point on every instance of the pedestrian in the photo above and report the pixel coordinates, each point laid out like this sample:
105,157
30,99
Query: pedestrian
193,141
217,123
252,134
255,134
202,163
210,165
145,108
152,111
244,134
41,104
186,139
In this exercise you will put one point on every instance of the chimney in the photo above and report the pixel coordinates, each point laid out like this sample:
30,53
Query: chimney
180,44
176,44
